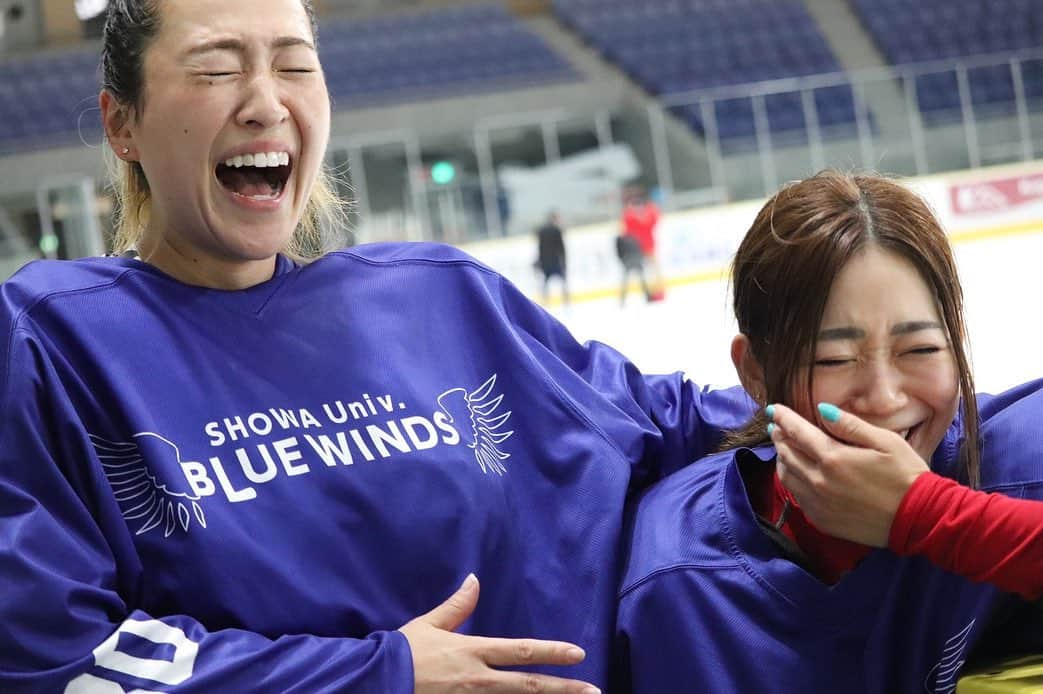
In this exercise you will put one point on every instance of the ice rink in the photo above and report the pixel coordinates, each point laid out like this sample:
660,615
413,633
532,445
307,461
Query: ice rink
691,330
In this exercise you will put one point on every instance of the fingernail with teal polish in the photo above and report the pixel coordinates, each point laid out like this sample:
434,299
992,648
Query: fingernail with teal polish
771,428
830,413
770,411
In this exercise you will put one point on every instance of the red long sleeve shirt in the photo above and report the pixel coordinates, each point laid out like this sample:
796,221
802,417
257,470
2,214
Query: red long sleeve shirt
982,536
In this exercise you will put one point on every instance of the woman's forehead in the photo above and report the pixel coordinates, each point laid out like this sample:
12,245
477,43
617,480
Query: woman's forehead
185,21
879,285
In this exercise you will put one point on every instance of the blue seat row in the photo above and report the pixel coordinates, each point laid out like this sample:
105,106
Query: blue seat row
671,46
51,99
434,53
951,29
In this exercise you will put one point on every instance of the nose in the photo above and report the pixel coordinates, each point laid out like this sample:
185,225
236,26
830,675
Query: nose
262,106
880,391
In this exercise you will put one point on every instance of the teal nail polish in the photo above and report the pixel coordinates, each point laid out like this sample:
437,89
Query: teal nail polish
771,428
830,413
770,411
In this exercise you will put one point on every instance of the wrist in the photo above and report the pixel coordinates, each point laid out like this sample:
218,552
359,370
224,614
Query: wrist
910,510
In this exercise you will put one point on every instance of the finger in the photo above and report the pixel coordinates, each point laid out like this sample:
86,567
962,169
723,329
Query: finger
797,485
851,429
799,432
788,447
791,463
819,445
814,454
527,682
501,652
802,477
457,607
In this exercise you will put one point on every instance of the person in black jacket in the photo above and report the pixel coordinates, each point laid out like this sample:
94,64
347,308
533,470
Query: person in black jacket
550,258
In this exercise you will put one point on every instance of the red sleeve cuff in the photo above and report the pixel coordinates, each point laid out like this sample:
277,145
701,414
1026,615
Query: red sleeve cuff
984,537
912,510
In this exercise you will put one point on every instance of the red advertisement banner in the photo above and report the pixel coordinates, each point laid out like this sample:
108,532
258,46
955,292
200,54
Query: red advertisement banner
997,195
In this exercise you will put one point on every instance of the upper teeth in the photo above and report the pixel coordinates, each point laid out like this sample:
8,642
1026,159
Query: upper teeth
260,160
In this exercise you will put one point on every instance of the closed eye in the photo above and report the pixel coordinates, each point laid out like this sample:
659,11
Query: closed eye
924,350
832,362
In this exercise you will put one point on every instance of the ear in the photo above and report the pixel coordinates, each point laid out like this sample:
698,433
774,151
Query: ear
751,375
116,119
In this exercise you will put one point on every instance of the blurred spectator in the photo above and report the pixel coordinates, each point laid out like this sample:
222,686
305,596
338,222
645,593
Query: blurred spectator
628,249
8,15
550,257
640,219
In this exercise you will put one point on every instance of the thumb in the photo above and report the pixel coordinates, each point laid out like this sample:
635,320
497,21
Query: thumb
457,607
851,429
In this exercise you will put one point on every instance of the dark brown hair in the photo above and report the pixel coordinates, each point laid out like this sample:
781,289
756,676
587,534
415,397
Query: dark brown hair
786,264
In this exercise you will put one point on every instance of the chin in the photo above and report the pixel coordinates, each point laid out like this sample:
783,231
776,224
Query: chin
261,249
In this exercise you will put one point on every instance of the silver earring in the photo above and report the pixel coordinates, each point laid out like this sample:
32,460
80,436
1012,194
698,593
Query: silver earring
126,150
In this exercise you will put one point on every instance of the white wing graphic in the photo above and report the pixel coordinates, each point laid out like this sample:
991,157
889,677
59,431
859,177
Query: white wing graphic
481,407
942,677
145,501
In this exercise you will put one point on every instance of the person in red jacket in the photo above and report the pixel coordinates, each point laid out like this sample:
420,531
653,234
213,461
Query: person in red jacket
640,219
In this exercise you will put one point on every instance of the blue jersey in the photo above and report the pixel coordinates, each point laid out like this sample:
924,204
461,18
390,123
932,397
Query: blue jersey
708,603
210,491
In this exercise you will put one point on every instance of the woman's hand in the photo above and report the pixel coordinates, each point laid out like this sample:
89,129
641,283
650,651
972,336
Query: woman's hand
445,662
849,479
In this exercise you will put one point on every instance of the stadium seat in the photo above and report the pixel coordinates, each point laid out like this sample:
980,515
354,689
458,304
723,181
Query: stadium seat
947,29
406,57
671,46
385,59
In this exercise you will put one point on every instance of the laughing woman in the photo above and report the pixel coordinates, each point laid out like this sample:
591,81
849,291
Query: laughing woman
223,469
850,312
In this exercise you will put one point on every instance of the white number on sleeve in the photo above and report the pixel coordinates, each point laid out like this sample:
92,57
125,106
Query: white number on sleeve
107,656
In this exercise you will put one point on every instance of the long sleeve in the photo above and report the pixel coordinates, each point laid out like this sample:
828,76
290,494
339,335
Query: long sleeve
70,574
679,420
983,536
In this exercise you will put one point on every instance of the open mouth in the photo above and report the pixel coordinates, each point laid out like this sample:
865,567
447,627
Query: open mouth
260,176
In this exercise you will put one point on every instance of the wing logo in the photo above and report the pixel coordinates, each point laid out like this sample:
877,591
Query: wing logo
481,408
942,677
146,501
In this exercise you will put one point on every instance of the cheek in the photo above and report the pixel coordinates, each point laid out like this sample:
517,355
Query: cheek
313,107
830,385
943,396
937,385
314,127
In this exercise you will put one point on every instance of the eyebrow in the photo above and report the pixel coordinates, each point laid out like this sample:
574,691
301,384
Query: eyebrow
852,333
240,47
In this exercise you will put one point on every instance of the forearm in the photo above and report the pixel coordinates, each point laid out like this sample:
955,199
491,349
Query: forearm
176,654
982,536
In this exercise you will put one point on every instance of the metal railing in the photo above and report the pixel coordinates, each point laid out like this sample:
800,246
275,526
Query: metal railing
894,120
912,119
